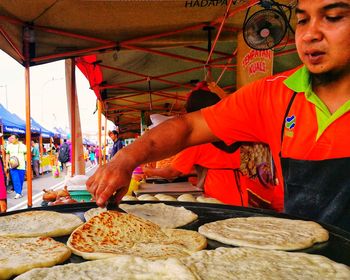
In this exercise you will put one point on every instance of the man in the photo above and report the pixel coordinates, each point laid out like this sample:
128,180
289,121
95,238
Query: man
303,115
17,150
117,142
64,156
218,170
35,158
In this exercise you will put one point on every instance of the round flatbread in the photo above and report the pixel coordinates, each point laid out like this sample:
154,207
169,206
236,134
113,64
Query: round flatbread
256,264
147,197
266,233
204,199
165,197
121,267
93,212
112,233
165,216
18,255
187,197
38,223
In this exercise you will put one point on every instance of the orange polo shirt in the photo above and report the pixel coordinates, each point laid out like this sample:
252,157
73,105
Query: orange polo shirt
219,184
255,113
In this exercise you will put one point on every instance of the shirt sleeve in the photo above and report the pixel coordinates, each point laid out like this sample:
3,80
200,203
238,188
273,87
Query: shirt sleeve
239,117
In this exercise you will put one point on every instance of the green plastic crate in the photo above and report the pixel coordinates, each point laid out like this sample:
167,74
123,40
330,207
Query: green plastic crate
80,195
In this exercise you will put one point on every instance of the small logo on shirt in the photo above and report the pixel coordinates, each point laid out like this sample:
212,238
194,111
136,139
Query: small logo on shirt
290,124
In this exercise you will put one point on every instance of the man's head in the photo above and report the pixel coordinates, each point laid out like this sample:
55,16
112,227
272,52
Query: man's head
33,143
113,135
13,139
322,36
199,99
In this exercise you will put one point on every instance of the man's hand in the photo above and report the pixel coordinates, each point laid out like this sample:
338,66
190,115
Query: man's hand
3,206
160,142
109,179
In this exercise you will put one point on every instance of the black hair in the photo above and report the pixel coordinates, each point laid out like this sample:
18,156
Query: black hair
199,99
15,135
115,132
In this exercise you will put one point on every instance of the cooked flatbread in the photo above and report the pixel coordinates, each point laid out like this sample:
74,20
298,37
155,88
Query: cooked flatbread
121,268
187,197
147,197
129,198
165,216
93,212
18,255
265,233
38,223
204,199
256,264
165,197
112,233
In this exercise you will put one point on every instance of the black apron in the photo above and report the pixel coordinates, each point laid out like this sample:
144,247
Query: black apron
317,189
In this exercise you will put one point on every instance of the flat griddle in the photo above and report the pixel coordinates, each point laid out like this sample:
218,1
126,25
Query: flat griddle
337,248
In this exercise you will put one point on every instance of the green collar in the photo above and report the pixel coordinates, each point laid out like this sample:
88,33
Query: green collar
300,81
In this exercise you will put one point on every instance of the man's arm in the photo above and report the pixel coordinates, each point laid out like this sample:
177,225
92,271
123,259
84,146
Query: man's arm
165,172
161,142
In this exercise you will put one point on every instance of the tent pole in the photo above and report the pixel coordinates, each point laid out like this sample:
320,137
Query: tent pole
105,143
41,150
99,106
73,132
28,136
28,42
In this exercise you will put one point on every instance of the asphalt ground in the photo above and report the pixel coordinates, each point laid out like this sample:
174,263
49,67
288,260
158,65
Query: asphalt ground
45,181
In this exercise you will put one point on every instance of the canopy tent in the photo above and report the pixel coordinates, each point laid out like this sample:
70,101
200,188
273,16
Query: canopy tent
139,56
40,129
88,142
60,132
10,122
14,124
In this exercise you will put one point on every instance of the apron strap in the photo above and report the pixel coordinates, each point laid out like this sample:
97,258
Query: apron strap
285,116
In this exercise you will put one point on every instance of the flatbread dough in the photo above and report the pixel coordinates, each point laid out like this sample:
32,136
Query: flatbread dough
147,197
93,212
256,264
165,216
187,197
219,264
204,199
113,233
129,198
38,223
121,267
18,255
265,233
165,197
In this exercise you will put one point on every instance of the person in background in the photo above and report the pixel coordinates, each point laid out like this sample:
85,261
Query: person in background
110,151
35,158
97,154
217,171
302,114
65,155
117,142
18,150
92,157
3,194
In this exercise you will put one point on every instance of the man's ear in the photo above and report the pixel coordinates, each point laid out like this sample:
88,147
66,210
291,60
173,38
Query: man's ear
228,149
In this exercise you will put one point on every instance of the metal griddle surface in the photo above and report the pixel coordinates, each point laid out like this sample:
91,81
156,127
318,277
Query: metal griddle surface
337,248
